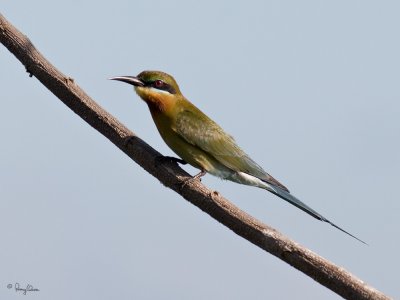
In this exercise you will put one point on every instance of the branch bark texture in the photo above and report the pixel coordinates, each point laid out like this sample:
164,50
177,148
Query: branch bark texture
172,176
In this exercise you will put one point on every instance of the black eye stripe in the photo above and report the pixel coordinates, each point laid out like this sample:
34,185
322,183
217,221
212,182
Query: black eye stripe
165,86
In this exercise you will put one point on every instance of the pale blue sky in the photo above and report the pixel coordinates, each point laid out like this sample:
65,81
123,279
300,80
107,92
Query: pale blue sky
310,89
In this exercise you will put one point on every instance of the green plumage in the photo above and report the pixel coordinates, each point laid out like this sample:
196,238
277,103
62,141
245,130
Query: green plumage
199,130
200,141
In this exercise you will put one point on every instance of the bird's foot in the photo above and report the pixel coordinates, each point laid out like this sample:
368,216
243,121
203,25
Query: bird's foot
199,175
195,177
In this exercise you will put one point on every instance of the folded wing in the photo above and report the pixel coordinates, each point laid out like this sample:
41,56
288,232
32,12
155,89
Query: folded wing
199,130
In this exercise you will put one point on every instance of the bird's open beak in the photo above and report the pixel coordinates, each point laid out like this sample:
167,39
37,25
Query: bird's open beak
129,79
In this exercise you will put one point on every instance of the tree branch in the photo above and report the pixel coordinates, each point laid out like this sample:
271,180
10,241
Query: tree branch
326,273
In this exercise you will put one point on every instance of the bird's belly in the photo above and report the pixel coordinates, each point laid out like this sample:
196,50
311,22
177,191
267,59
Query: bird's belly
194,156
190,153
200,159
197,157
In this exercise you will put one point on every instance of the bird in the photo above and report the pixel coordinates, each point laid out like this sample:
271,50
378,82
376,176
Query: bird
201,142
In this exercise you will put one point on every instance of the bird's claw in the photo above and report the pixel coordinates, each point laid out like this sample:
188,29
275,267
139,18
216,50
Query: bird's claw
192,179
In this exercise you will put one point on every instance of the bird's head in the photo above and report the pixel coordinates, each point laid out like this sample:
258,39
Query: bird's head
158,89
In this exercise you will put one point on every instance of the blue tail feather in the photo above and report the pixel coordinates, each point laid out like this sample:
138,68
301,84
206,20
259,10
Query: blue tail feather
296,202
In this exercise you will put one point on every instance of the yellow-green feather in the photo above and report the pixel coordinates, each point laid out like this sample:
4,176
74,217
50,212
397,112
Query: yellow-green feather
194,136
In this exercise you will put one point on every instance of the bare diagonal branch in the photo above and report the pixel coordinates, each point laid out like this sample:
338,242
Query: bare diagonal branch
321,270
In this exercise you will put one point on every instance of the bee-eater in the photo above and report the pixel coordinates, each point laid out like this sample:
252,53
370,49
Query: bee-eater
201,142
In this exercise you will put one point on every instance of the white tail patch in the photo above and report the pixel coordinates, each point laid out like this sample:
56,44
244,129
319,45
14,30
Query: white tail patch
251,180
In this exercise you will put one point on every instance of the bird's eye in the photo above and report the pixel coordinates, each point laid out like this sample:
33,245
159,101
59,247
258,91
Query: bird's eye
158,83
162,86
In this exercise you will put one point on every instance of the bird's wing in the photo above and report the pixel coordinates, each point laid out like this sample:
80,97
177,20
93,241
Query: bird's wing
199,130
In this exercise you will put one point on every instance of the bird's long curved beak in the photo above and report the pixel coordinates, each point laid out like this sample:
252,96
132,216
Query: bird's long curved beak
129,79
